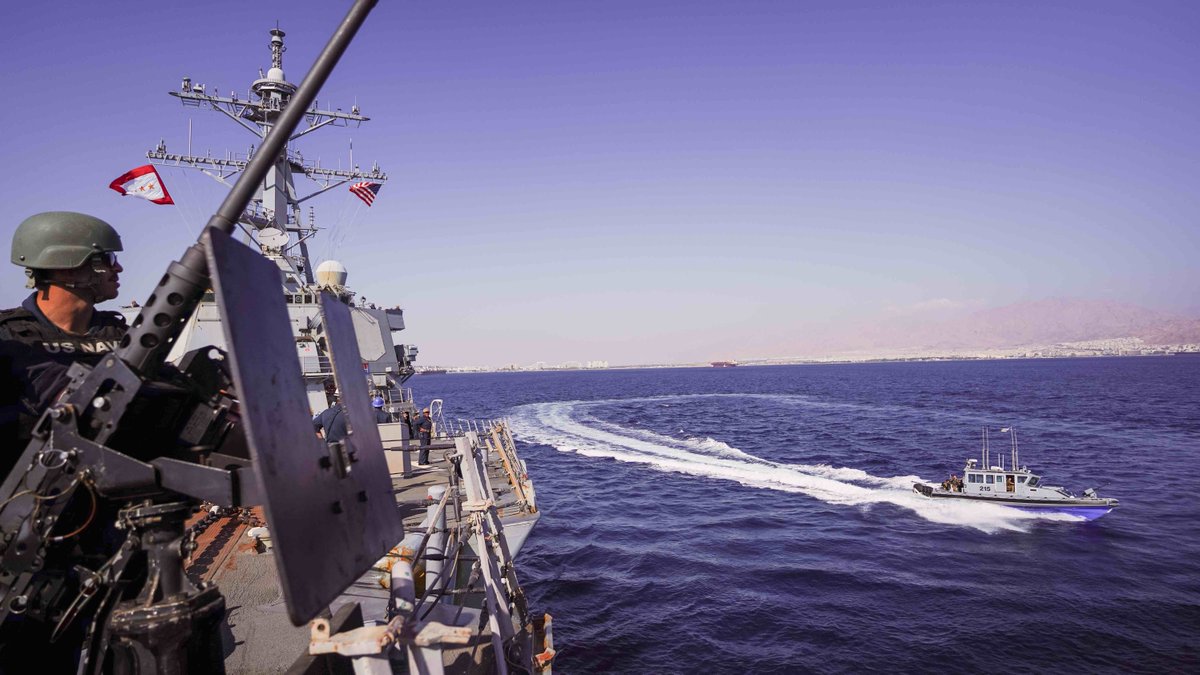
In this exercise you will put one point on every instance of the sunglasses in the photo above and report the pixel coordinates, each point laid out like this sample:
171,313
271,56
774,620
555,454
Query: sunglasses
107,258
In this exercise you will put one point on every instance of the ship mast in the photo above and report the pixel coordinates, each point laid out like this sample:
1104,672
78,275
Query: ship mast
273,220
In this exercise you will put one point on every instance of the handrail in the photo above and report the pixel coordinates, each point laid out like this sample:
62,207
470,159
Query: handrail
510,467
506,434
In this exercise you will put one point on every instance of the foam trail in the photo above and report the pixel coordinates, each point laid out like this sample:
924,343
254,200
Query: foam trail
568,426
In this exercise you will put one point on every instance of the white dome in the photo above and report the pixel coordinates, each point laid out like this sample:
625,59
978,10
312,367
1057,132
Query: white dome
275,75
331,273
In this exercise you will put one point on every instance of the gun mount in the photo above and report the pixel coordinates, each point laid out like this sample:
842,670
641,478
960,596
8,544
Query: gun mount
152,440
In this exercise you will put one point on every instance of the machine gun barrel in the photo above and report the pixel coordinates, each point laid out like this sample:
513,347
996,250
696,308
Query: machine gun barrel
164,313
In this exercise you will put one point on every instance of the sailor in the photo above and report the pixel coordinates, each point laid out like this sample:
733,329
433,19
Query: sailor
331,421
380,416
70,260
425,431
71,263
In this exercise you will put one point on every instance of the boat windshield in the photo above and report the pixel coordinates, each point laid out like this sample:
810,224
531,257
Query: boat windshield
1033,481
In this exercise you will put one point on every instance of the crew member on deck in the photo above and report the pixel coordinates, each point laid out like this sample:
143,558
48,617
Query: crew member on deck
71,261
332,422
380,415
408,423
425,431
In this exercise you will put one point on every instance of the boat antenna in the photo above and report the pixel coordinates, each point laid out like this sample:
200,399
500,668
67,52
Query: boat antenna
1013,431
985,448
1000,457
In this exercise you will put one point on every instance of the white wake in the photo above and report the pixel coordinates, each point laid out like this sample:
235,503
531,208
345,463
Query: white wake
568,427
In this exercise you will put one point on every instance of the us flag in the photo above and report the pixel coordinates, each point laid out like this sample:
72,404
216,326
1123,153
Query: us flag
366,191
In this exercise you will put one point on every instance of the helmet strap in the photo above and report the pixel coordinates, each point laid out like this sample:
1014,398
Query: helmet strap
68,305
81,288
85,289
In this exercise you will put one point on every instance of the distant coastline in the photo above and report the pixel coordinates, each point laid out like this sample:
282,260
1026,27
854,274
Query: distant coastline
900,356
1050,328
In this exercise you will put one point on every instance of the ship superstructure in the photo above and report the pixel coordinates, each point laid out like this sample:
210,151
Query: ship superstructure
276,224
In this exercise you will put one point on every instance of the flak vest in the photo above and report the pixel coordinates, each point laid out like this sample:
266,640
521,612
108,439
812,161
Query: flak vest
43,342
34,358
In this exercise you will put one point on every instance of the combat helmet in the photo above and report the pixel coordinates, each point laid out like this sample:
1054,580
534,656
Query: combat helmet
60,240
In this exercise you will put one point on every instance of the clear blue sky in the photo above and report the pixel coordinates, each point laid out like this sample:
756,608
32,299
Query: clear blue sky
657,181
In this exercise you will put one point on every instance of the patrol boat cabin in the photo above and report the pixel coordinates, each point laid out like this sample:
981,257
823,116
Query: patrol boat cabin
1015,486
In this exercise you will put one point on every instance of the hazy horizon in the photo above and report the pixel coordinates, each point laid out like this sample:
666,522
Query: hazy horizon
657,182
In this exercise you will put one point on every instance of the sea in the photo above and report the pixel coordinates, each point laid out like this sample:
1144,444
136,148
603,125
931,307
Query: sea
762,519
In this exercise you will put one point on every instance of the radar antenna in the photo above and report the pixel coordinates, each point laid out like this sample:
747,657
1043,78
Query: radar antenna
276,207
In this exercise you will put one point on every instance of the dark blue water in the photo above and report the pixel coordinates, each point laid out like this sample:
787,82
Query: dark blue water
762,519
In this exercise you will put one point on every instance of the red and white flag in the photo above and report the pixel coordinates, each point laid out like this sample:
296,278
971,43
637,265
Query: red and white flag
366,191
143,182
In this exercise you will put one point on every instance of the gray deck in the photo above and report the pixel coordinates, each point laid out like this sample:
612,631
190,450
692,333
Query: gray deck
261,638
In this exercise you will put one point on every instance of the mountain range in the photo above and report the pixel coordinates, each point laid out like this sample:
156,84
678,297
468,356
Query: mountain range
1036,323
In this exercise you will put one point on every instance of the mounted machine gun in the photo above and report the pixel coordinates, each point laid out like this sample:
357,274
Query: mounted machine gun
135,444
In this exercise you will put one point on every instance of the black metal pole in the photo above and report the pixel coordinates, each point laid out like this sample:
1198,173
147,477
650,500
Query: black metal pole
164,313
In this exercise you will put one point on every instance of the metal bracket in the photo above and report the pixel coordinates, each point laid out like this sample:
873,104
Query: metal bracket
375,640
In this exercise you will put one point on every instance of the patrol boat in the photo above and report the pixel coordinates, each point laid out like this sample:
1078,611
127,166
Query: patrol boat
1015,486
